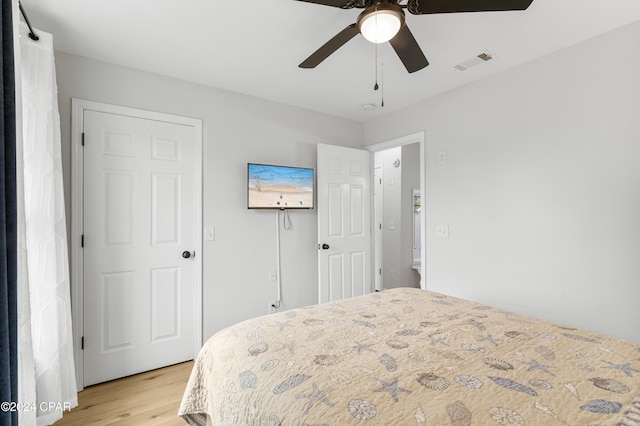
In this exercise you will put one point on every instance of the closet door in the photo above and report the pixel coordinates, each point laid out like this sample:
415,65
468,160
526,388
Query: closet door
139,242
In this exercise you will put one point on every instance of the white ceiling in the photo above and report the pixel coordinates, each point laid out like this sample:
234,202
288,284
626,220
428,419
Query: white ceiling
254,46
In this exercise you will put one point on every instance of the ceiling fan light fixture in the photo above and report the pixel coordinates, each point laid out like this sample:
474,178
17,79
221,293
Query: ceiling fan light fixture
381,23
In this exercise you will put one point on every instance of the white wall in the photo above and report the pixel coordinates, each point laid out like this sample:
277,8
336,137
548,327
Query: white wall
237,129
541,190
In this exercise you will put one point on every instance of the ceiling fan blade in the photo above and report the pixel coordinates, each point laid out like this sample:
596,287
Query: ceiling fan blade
423,7
408,50
342,4
331,46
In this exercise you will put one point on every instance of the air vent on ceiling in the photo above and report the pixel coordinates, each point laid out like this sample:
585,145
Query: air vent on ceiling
476,60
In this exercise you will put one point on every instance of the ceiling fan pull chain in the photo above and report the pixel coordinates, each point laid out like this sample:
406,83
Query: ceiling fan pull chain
382,77
375,86
381,65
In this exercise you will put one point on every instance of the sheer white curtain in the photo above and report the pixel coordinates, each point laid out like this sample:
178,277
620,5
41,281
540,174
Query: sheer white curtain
46,367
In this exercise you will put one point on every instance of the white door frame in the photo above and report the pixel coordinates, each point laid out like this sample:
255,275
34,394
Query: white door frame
408,140
377,218
78,106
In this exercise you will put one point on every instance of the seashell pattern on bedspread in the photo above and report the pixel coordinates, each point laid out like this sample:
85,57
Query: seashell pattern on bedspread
408,356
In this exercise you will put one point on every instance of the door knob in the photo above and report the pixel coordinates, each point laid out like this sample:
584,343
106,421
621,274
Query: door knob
186,254
325,246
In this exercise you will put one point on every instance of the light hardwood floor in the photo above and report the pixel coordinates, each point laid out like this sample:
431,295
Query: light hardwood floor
150,398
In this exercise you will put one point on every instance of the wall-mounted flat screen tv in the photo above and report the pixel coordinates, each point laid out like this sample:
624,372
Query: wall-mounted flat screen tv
279,187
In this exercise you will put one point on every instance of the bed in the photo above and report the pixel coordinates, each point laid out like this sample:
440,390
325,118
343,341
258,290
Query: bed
408,356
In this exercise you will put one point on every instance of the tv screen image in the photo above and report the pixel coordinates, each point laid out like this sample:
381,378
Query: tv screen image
279,187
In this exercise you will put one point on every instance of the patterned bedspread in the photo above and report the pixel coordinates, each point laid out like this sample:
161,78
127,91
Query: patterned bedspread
408,356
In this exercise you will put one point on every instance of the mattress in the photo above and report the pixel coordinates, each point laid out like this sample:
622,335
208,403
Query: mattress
408,356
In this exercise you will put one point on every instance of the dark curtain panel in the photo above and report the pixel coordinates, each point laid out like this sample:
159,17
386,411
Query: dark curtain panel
8,229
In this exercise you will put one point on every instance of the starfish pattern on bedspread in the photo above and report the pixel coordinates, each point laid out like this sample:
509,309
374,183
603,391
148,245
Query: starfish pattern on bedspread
291,346
490,339
316,396
362,347
625,368
535,365
435,340
392,388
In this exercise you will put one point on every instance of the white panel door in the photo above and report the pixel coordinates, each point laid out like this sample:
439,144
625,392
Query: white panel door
138,245
344,231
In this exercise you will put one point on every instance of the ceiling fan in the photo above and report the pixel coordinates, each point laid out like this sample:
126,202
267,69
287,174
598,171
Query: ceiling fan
384,20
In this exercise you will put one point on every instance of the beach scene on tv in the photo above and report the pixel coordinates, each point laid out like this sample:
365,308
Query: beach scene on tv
280,187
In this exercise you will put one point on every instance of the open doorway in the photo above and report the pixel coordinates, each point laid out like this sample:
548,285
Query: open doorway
397,212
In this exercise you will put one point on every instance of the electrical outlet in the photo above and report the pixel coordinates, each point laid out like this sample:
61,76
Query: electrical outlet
273,306
272,275
442,231
442,157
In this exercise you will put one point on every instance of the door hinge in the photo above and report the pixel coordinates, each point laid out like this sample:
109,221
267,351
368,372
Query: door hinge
380,226
380,271
82,139
82,240
82,343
